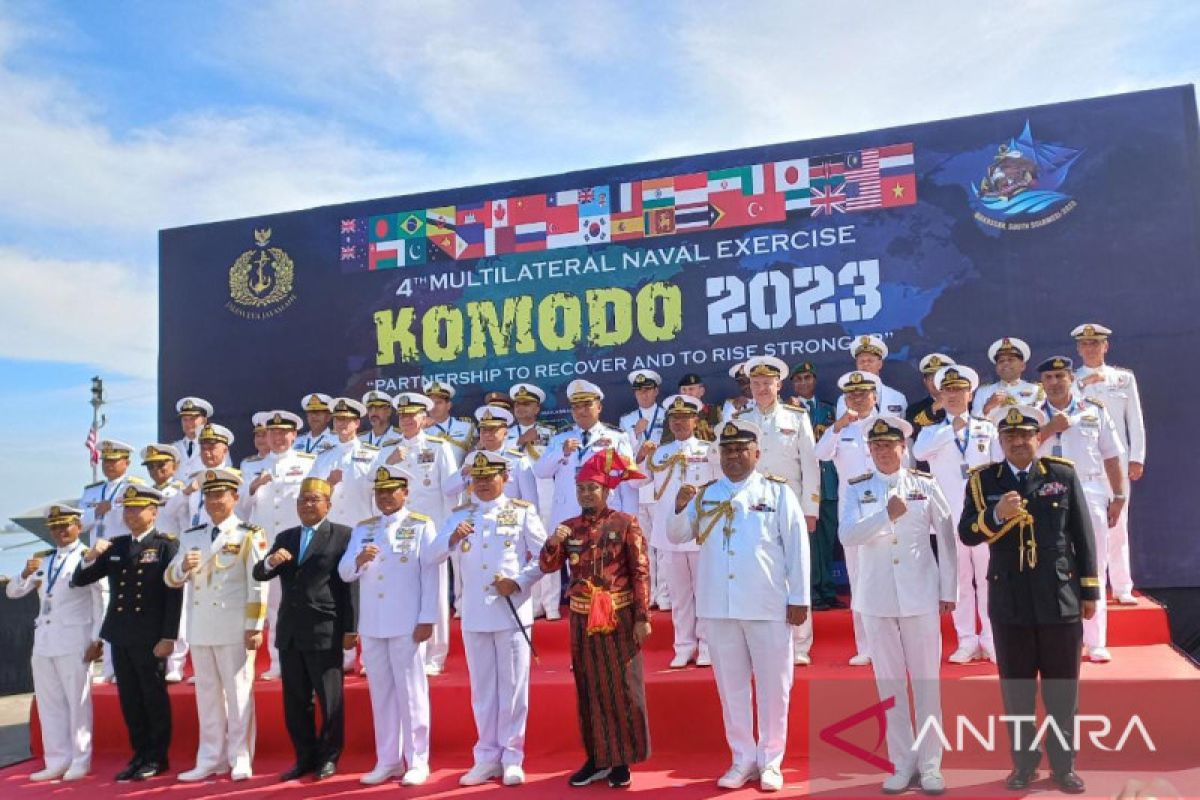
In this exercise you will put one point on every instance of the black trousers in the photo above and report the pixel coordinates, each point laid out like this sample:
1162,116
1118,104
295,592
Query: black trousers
1025,653
305,673
142,688
822,543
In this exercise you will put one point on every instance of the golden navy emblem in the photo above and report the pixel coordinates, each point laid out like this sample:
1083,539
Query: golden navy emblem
261,280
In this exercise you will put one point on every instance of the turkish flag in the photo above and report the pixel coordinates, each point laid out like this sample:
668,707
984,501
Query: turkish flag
733,209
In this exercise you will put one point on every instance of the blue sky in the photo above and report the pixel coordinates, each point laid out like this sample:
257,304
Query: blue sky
122,118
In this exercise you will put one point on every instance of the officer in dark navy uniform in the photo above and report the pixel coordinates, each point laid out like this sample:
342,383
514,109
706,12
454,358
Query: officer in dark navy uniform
1041,584
141,625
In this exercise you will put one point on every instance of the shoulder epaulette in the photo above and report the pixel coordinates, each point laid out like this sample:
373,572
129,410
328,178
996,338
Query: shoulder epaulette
255,457
97,483
921,473
516,501
981,467
467,420
308,456
1094,402
170,537
431,437
790,407
396,428
462,506
860,478
773,478
1059,460
706,485
741,411
512,451
246,526
369,446
370,520
43,553
196,528
417,515
137,480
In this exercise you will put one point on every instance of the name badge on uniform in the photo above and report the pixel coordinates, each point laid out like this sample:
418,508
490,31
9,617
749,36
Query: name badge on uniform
915,495
114,558
1056,451
895,409
868,497
426,457
506,517
233,548
407,533
363,458
296,471
788,431
761,506
148,557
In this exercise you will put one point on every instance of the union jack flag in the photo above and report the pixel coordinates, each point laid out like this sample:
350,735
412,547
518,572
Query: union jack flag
586,196
826,200
349,226
349,253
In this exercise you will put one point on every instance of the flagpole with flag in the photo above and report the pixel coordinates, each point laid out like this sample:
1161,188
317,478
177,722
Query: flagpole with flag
92,444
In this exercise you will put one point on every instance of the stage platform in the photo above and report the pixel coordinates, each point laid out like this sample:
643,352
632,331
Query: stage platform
1147,678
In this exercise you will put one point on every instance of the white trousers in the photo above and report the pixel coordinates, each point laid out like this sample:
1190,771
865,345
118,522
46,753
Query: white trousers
274,597
972,599
399,700
178,657
224,705
680,569
861,640
659,592
1119,573
438,647
547,593
498,663
904,648
1095,630
760,650
63,687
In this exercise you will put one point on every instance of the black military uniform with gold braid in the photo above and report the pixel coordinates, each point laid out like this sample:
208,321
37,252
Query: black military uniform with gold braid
1042,567
142,610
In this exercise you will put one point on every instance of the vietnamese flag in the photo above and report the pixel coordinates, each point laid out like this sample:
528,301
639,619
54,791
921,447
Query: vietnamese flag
898,190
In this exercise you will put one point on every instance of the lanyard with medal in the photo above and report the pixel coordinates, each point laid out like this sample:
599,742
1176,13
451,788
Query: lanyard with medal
653,421
52,576
961,443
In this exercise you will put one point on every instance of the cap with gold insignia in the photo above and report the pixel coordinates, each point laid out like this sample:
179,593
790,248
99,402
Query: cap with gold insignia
113,450
193,406
889,428
737,430
315,402
217,480
581,391
933,362
486,463
436,388
140,495
1017,418
1091,330
498,399
347,408
279,419
803,368
377,398
493,417
956,376
62,515
219,433
768,366
858,381
318,485
644,379
1011,345
391,476
526,392
413,403
869,344
1054,363
259,421
159,452
738,371
691,379
682,405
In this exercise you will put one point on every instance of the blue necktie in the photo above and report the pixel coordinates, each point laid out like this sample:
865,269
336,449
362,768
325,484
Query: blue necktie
305,537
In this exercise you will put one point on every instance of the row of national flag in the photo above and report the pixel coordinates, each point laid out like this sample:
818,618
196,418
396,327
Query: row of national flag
862,180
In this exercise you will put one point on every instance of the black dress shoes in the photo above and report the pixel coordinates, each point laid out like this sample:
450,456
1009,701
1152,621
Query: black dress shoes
1019,779
129,771
297,771
324,770
1069,782
588,773
619,777
149,769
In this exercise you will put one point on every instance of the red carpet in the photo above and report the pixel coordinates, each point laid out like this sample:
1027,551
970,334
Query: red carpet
1147,677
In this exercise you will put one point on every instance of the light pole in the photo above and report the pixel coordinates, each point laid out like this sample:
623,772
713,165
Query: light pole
97,418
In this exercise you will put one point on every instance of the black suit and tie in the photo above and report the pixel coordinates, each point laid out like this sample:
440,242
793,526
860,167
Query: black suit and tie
1039,573
142,610
315,612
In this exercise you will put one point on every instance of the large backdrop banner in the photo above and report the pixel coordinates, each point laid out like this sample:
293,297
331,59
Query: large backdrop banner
941,236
